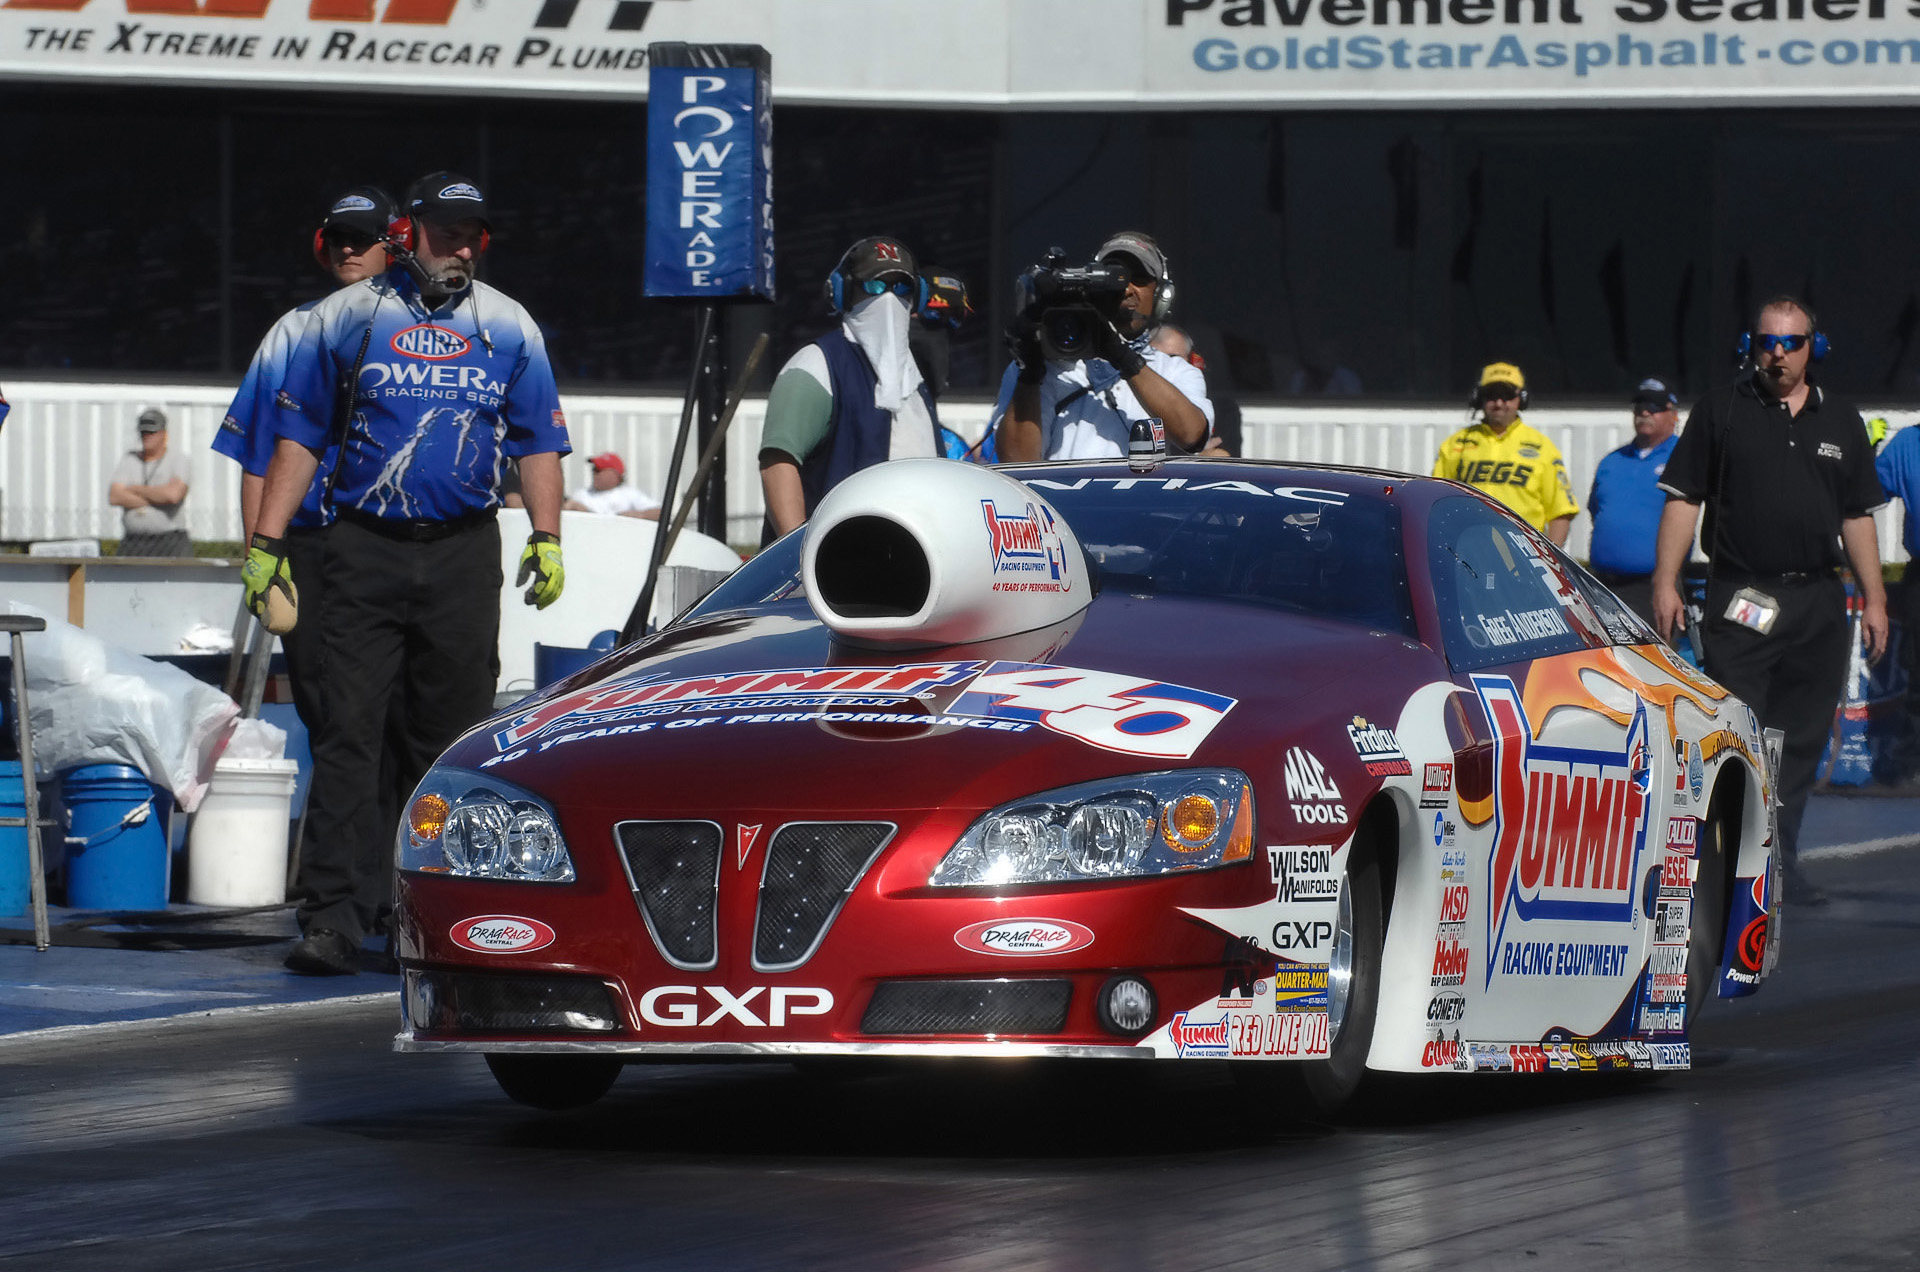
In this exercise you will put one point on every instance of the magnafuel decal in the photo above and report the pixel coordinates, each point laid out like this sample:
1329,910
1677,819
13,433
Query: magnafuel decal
1570,834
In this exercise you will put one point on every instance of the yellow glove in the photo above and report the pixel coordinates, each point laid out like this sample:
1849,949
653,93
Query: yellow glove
268,581
1877,430
541,563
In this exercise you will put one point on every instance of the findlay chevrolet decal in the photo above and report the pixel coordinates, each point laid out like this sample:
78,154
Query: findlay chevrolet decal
1104,709
1570,824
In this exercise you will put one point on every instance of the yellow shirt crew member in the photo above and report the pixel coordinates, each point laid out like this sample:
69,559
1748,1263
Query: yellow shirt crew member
1505,457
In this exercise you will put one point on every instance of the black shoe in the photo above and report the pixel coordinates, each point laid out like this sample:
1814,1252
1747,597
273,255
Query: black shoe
324,952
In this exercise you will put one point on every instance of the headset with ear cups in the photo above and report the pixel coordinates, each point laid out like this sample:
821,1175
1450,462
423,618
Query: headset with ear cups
1817,348
836,285
374,199
1474,401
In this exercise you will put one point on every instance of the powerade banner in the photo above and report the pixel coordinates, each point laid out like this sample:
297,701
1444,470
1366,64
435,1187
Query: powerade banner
1024,54
709,179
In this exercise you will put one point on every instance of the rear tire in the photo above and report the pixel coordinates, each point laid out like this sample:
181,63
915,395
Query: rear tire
1707,936
554,1082
1321,1088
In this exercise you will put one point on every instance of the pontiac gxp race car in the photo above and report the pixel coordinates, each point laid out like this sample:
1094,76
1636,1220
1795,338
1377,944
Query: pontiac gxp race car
1315,770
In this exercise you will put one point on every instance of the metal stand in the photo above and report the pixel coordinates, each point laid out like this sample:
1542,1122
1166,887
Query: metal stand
17,625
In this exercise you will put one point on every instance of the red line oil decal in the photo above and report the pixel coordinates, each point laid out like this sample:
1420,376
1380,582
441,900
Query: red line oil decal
501,934
1570,824
1023,938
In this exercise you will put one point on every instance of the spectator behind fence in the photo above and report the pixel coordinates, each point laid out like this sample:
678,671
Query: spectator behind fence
1224,439
150,482
1786,474
1625,501
608,495
1503,456
1899,471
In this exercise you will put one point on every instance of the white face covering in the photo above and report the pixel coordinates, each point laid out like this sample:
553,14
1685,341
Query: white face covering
879,324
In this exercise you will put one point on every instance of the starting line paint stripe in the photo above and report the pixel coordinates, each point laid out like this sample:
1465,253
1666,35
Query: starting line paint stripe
195,1017
1860,849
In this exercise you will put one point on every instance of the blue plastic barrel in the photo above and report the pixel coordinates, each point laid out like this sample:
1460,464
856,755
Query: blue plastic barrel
15,878
116,858
557,662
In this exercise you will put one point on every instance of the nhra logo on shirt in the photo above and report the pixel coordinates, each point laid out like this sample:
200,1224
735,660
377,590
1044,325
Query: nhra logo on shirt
1570,824
436,344
1027,543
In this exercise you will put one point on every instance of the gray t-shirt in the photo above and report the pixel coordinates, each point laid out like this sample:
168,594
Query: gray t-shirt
133,470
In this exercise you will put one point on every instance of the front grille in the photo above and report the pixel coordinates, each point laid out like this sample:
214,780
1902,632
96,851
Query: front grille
968,1007
811,867
476,1002
675,870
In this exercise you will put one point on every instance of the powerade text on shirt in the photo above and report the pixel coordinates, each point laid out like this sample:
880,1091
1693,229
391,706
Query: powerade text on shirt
444,397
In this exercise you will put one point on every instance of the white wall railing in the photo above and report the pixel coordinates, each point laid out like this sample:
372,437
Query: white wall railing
62,440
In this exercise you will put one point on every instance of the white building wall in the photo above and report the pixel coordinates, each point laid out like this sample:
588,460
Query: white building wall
61,442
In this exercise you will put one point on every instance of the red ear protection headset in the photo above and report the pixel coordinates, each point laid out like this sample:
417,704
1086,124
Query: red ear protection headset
400,234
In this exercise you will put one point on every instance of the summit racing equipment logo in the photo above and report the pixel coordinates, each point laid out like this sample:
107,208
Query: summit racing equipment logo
1190,1041
436,344
1100,708
1028,544
1570,824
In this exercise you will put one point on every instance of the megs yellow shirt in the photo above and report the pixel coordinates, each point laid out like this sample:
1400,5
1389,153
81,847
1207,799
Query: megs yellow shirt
1520,468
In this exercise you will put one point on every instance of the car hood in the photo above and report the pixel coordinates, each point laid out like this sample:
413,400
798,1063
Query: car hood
681,723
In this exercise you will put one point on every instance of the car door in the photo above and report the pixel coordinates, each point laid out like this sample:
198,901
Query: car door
1560,814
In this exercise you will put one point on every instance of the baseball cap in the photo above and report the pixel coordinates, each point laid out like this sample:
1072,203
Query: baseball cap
946,296
446,197
878,258
1140,247
363,209
1655,393
608,460
1502,373
152,420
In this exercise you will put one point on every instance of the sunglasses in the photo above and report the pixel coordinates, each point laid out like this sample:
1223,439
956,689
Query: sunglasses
1778,344
1651,408
1499,394
880,287
351,242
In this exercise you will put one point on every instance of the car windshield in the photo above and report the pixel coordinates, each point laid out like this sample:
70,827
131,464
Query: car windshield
1255,537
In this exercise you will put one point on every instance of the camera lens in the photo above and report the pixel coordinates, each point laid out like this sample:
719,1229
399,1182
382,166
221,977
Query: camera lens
1065,333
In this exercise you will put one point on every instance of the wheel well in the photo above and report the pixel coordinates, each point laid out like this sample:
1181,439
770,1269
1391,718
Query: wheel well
1378,835
1728,806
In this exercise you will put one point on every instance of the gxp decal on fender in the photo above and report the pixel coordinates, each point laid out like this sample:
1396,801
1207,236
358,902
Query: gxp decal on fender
1570,824
1022,938
436,344
501,934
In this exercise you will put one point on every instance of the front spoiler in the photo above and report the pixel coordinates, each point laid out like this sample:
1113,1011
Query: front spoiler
406,1041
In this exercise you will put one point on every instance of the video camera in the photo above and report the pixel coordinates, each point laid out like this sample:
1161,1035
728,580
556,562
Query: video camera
1066,301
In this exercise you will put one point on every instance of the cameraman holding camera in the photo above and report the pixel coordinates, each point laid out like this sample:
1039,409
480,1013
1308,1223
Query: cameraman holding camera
1083,370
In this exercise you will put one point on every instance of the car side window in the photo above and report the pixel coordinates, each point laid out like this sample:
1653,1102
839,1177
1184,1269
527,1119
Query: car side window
1502,594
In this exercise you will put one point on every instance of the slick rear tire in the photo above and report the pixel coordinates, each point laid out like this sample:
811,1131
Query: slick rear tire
554,1082
1707,934
1322,1088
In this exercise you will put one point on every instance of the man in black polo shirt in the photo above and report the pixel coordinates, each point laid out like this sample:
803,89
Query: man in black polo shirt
1787,475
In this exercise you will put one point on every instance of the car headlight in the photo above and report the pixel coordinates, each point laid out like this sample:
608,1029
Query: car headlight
1118,828
479,827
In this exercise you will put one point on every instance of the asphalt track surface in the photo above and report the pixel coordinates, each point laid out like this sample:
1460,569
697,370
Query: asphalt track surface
296,1139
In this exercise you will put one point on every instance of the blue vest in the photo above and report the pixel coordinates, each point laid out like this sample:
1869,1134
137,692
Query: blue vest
861,434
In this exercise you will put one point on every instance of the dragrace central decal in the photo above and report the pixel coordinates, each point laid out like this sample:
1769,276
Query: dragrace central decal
1570,832
1148,718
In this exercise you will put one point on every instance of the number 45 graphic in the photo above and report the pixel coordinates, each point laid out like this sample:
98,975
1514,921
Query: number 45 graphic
1114,712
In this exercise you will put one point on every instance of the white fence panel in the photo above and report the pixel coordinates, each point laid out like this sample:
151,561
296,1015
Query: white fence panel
62,441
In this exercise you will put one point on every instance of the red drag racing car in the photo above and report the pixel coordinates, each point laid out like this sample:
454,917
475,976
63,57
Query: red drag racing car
1314,770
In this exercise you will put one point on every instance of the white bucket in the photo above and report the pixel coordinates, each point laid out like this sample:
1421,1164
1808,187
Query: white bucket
237,851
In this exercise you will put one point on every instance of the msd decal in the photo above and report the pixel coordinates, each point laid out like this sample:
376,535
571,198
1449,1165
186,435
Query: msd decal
435,344
1026,544
501,934
1570,824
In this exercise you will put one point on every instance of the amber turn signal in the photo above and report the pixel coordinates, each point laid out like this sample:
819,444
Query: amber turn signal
428,816
1240,838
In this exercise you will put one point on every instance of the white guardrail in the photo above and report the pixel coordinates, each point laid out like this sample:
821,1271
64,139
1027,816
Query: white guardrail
62,440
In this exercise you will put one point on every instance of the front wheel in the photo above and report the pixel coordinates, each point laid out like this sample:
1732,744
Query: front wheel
1321,1088
554,1082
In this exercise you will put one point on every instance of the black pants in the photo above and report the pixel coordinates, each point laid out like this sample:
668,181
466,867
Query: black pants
418,619
1904,606
1792,677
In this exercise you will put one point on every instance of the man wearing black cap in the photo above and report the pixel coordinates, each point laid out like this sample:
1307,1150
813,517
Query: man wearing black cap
1083,409
1626,500
853,398
1786,474
151,484
450,378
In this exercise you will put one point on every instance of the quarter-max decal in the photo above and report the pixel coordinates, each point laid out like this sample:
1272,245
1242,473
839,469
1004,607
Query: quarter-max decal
502,934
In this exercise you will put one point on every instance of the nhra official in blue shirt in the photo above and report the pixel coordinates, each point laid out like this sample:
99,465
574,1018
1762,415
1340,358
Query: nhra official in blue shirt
450,379
1626,500
1898,466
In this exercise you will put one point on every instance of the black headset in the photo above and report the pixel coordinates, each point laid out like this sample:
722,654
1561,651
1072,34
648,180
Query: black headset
1818,346
1163,285
908,290
1475,401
